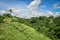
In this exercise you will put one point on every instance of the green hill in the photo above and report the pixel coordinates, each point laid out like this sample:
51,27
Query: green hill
18,31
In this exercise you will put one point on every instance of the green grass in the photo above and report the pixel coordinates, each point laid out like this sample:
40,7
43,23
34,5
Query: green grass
18,31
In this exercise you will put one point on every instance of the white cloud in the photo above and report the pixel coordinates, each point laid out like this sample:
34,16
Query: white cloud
22,13
2,12
47,13
33,8
34,4
56,5
56,14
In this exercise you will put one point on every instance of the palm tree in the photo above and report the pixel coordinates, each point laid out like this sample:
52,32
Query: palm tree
10,10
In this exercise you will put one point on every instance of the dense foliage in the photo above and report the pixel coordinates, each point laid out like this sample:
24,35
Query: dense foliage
48,26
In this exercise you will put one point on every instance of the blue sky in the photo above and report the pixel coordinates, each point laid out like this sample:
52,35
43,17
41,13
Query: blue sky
49,5
23,3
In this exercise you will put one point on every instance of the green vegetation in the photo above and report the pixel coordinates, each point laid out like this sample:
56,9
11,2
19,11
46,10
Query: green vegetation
36,28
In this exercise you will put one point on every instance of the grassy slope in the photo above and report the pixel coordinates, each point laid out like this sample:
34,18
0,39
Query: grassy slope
18,31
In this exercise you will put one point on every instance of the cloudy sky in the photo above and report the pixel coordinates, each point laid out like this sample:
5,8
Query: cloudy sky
31,8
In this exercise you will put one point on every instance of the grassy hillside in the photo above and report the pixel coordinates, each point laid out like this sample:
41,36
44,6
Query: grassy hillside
18,31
